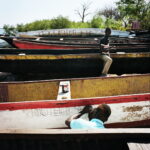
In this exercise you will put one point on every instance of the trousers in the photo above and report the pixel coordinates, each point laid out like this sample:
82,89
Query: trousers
107,61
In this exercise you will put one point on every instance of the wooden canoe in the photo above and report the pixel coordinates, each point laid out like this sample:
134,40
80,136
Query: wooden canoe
43,104
35,44
73,65
41,43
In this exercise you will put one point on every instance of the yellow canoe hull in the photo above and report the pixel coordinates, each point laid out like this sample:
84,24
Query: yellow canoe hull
79,88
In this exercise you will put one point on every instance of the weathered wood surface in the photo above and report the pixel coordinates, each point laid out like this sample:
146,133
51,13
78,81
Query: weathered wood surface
58,139
101,132
80,88
74,65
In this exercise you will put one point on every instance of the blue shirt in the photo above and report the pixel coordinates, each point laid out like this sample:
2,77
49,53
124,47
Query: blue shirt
84,124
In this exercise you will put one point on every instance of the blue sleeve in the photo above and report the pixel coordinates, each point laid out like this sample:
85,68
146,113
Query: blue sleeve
79,124
84,124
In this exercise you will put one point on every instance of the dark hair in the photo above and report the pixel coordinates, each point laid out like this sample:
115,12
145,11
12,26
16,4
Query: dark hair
107,31
102,112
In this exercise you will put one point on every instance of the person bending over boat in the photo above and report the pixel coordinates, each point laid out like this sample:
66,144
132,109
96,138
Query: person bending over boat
104,52
97,117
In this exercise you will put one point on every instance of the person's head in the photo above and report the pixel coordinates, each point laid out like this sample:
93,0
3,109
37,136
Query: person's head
102,112
107,31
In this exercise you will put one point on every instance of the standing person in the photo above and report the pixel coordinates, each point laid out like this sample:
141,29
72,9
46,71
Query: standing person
96,116
104,52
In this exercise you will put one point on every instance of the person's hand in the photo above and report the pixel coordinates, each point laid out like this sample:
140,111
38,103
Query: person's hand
86,109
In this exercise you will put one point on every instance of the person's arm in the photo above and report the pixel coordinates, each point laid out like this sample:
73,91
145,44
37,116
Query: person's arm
86,109
75,116
104,44
104,48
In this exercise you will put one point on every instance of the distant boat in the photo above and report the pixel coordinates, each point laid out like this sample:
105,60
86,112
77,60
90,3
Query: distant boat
47,104
33,42
28,44
25,43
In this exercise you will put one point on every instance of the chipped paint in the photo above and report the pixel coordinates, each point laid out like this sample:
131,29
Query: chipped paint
132,109
136,112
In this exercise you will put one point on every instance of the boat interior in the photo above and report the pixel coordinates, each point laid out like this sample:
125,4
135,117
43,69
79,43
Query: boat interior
74,88
66,64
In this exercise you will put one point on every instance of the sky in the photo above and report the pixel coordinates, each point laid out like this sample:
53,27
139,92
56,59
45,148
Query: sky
13,12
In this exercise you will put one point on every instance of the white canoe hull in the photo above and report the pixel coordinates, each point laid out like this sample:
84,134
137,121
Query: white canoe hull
127,111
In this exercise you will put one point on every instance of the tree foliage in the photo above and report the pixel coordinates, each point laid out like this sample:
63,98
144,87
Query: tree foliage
60,22
36,25
114,24
10,30
114,18
108,12
97,22
80,25
135,10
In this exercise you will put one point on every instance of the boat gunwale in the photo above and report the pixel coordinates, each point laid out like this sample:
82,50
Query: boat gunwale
72,56
72,79
74,102
66,43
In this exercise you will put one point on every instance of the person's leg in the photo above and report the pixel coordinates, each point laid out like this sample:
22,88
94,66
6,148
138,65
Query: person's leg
107,63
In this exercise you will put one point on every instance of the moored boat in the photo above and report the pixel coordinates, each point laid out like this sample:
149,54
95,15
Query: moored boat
25,43
72,43
81,64
46,104
40,44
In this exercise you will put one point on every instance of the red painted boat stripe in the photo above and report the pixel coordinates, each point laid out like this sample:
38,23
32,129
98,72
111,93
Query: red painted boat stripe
33,45
74,103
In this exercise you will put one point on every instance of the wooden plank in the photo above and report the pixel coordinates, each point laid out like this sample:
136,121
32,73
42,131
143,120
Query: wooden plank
133,131
67,139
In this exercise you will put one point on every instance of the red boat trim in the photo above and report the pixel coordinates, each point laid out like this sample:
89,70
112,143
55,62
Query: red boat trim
74,103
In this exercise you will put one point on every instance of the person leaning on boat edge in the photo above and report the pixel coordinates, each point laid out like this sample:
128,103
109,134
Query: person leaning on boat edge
104,52
97,117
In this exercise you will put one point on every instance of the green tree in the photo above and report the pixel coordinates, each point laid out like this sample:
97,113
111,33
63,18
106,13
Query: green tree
114,24
108,12
10,30
134,9
20,27
97,22
60,23
80,25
